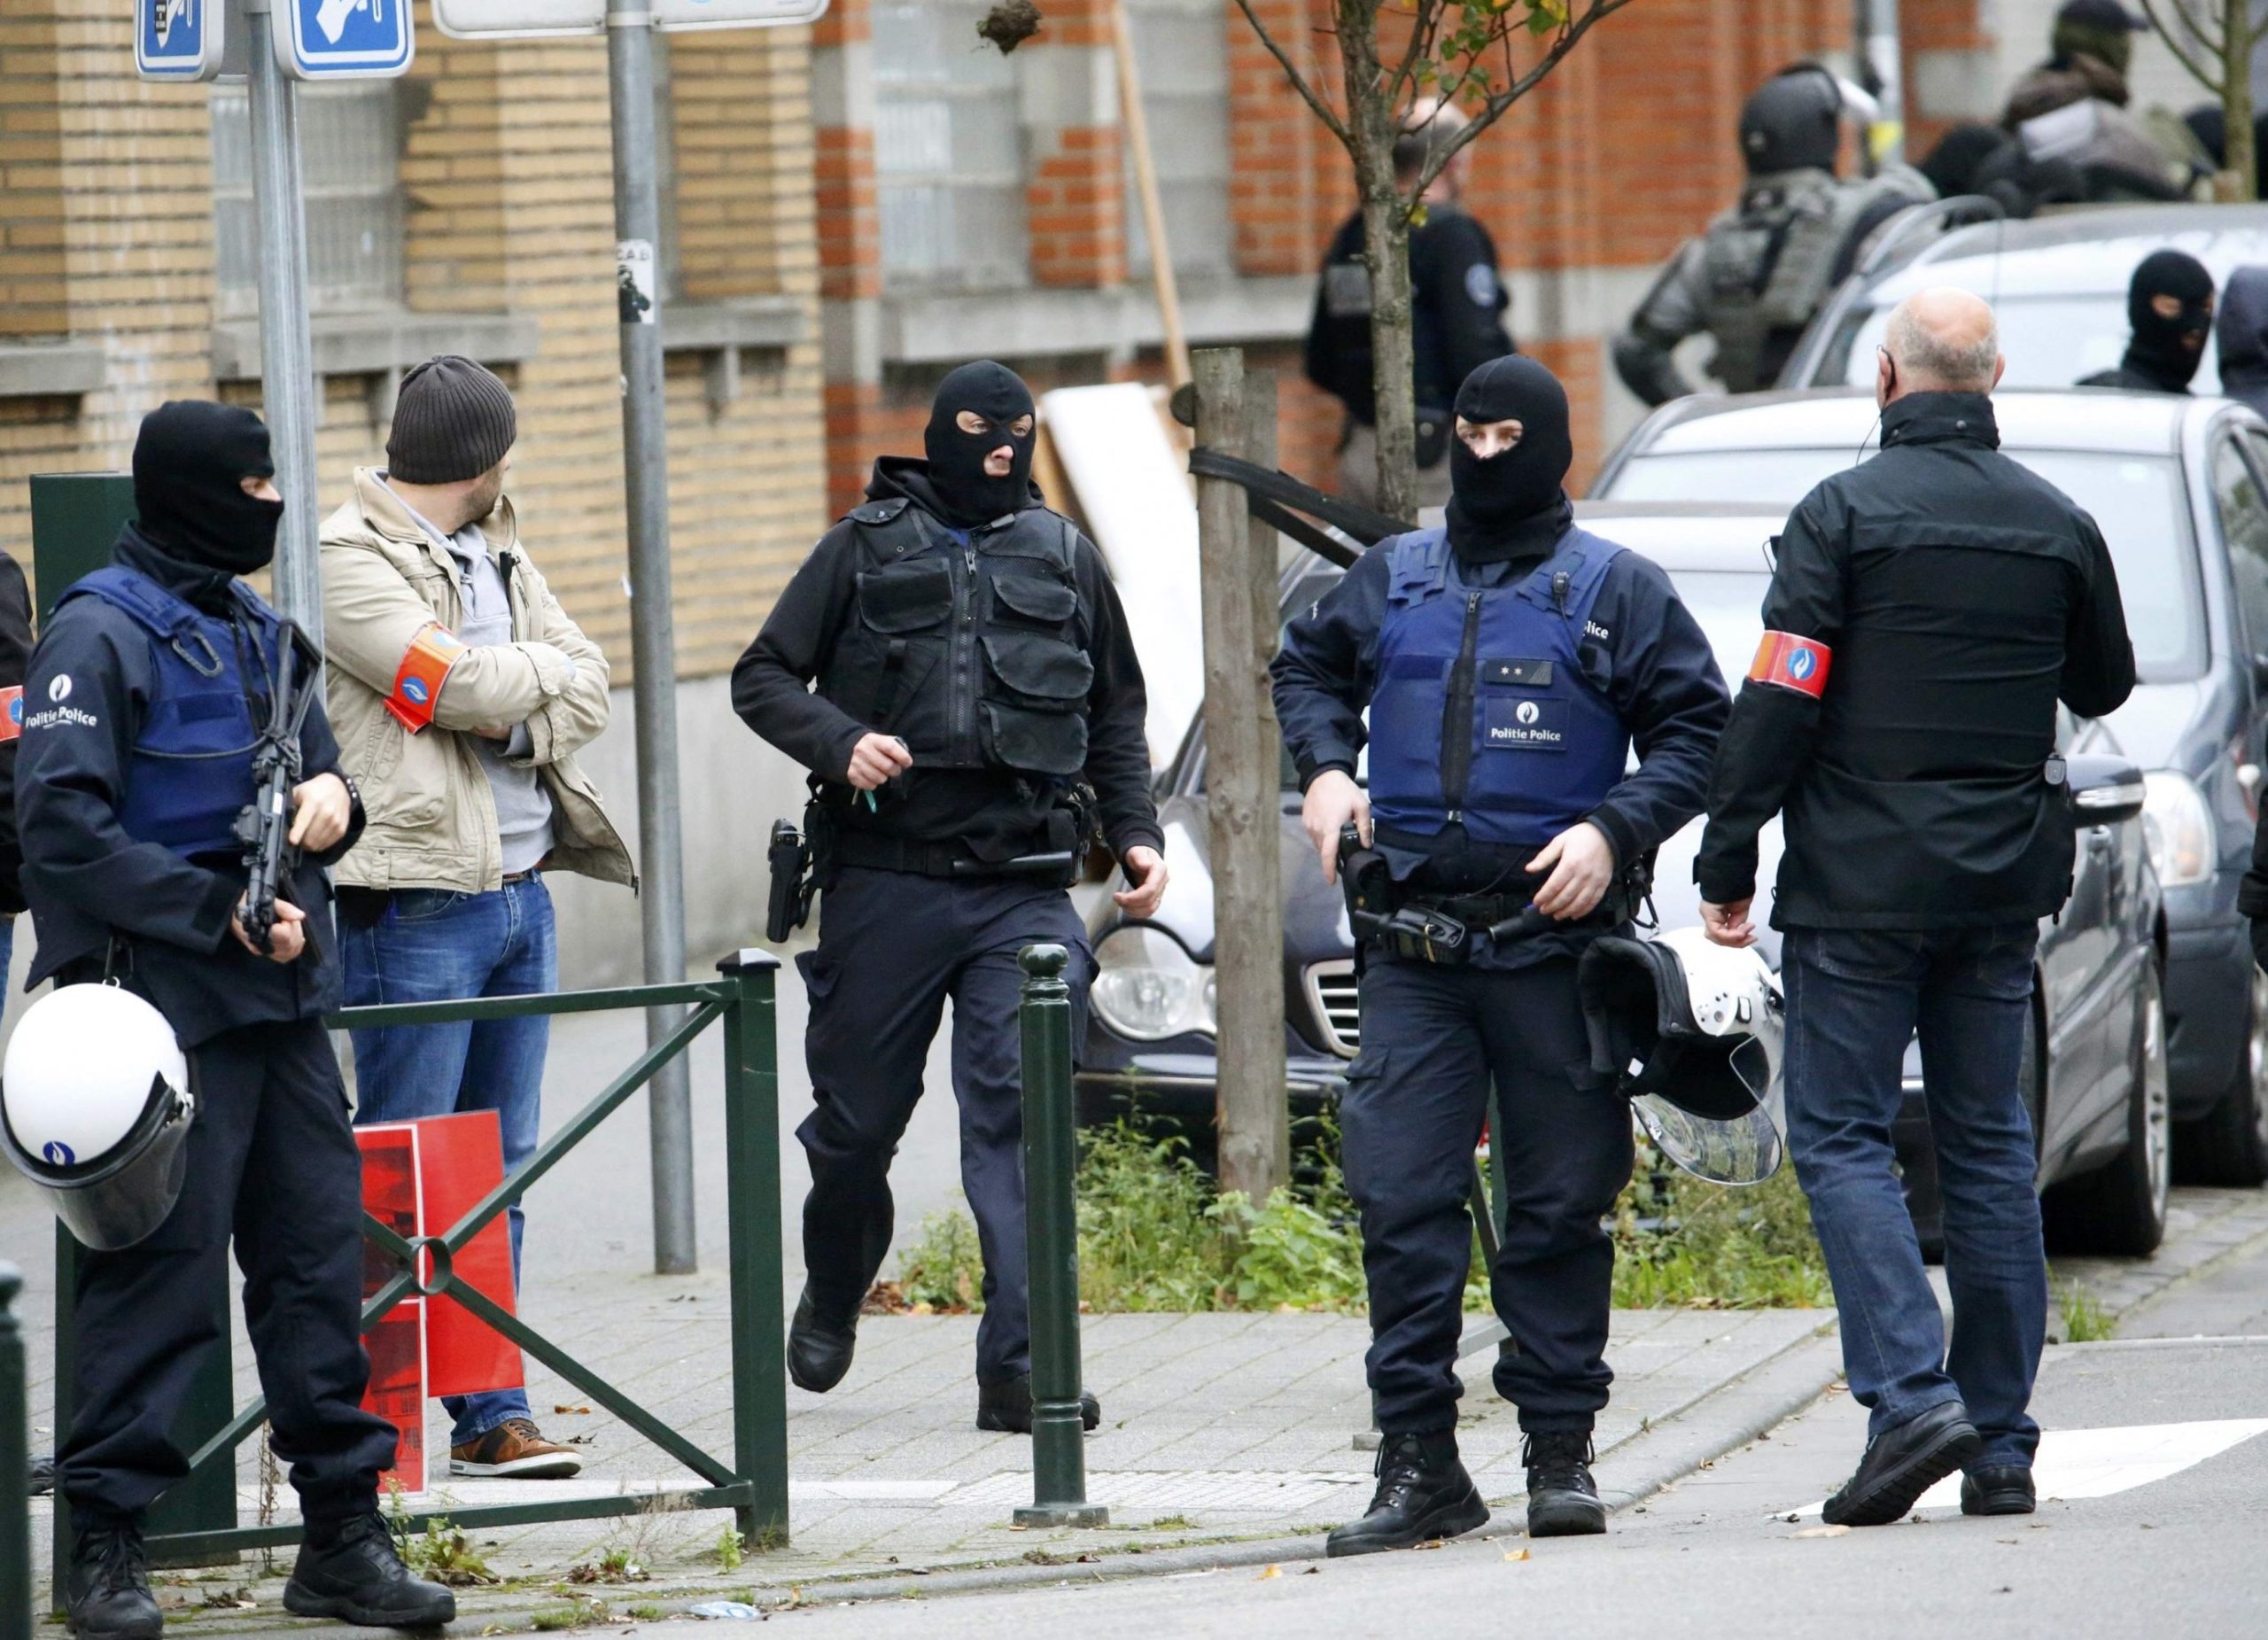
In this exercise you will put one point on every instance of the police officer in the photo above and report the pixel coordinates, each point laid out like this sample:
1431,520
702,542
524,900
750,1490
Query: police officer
1508,662
1457,312
974,671
1760,273
146,692
1928,610
2170,306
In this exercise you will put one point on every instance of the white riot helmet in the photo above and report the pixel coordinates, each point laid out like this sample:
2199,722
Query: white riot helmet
1689,1033
94,1090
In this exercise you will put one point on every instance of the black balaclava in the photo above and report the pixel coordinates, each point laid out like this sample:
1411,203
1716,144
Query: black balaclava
1509,505
956,459
190,462
2168,351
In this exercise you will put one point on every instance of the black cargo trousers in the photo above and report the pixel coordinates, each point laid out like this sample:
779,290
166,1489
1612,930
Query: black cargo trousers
272,1162
893,946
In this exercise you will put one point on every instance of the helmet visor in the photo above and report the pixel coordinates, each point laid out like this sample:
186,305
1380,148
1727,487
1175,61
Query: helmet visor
1743,1149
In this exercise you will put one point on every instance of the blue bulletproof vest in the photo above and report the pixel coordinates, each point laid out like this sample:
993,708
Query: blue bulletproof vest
1482,714
190,773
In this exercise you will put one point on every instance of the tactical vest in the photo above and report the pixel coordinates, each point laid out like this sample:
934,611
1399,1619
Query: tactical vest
190,771
1483,714
1769,264
970,646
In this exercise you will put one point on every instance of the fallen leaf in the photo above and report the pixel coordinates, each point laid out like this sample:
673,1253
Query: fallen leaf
1311,1571
1515,1554
1273,1570
572,1412
1823,1531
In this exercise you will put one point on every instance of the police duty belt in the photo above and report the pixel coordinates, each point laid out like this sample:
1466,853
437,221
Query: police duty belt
1277,500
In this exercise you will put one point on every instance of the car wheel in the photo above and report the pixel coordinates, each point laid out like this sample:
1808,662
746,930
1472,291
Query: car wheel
2121,1209
2228,1145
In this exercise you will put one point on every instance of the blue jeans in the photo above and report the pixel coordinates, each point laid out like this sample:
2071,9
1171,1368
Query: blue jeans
1855,997
434,945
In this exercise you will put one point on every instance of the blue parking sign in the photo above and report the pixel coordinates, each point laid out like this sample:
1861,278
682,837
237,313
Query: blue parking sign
177,39
344,39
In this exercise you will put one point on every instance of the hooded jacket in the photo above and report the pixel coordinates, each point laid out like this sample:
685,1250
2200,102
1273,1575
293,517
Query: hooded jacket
992,810
432,810
88,694
2241,336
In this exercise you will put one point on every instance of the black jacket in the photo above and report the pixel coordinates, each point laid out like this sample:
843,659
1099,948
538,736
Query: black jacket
1457,312
993,810
1961,596
15,655
1659,672
2241,331
85,880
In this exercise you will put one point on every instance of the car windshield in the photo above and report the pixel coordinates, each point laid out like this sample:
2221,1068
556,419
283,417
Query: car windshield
2138,503
2049,341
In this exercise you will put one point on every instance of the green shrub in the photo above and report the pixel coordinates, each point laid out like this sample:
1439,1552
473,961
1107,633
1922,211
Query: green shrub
944,1268
1682,1242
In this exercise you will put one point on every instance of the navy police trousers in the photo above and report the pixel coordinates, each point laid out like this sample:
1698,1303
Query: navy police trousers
1417,1097
892,947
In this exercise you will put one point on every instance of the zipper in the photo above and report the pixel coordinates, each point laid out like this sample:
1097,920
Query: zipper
1457,715
964,721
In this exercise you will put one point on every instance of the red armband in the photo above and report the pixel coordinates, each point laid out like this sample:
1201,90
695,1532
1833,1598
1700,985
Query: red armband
1792,663
417,686
12,712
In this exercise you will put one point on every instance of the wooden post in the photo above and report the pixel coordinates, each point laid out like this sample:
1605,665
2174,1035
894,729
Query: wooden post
1137,123
1243,803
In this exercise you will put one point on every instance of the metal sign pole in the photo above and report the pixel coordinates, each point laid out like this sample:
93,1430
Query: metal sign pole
637,228
287,371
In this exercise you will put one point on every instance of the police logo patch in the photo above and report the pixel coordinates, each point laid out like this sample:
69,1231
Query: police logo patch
1527,712
57,1153
413,690
1481,284
1525,726
58,688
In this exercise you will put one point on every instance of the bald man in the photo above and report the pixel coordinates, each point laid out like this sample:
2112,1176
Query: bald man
1928,610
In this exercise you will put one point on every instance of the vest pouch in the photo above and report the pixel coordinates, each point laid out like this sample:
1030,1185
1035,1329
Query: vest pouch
905,597
1029,670
1020,600
1038,743
1405,736
901,610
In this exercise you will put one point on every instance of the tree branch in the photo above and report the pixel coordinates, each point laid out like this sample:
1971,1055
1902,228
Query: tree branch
1425,29
1321,109
2180,52
1569,34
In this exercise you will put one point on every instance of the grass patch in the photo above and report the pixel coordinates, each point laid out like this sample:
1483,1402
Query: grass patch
1156,1234
560,1617
2084,1320
440,1554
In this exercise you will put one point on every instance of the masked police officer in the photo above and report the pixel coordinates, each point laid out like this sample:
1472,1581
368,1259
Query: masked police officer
1754,280
2170,306
974,670
1509,664
146,695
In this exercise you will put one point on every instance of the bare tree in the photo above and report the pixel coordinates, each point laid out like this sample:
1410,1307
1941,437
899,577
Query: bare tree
2213,40
1483,56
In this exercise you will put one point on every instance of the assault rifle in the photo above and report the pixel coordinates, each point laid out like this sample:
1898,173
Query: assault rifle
264,825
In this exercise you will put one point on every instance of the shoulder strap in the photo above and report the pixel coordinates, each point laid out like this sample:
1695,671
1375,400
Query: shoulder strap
1417,566
155,609
1583,559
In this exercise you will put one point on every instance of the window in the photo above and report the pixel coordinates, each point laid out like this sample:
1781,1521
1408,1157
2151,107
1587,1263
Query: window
1181,49
2244,527
948,151
349,137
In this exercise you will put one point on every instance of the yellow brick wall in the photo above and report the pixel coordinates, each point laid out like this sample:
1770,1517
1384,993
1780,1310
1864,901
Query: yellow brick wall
31,178
509,206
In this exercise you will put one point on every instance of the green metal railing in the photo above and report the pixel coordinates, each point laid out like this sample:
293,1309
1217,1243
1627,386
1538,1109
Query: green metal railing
754,1483
1059,1457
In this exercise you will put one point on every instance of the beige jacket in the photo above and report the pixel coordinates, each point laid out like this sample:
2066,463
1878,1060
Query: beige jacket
431,814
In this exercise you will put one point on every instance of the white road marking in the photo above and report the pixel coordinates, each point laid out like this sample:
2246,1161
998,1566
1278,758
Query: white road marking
2073,1463
1256,1491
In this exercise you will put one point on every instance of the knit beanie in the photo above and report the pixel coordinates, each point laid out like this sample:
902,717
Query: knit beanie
453,421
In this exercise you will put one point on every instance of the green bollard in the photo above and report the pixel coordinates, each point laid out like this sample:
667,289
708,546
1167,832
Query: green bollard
752,1217
15,1470
1059,1456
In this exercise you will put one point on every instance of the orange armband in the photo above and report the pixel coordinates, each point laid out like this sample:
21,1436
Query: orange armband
12,712
1792,663
417,686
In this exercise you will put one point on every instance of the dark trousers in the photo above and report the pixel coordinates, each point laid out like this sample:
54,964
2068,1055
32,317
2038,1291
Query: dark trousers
1432,1040
893,946
1854,1000
273,1163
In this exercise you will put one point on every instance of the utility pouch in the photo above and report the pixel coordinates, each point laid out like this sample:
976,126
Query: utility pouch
1376,913
792,883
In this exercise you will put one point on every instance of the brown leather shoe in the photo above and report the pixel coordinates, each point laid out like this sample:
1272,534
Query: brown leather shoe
515,1451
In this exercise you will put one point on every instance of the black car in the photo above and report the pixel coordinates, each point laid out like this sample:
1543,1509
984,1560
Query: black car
2176,484
2097,1054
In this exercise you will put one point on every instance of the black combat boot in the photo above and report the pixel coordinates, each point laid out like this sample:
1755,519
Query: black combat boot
1998,1489
349,1570
819,1352
106,1589
1562,1497
1424,1494
1003,1404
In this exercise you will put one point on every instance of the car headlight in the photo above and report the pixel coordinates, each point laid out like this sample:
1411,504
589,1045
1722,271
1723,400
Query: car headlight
1147,987
2177,825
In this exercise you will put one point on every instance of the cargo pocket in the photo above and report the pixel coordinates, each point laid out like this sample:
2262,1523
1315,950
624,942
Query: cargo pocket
1031,715
1361,1118
1029,600
901,609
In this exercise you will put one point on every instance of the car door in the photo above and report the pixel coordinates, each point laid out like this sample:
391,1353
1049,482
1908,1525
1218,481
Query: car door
2244,527
2079,963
